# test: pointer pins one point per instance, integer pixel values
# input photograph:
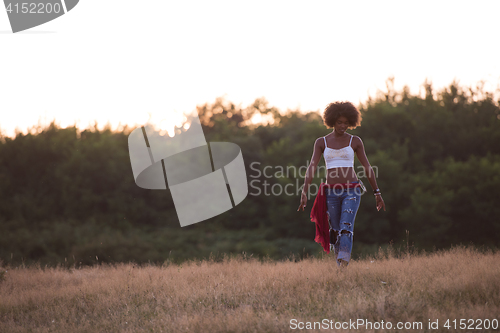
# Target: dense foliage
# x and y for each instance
(68, 196)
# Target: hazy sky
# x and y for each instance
(120, 60)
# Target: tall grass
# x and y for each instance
(247, 295)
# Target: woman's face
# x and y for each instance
(341, 125)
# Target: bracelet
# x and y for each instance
(376, 190)
(378, 193)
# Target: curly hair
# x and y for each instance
(334, 111)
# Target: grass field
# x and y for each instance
(247, 295)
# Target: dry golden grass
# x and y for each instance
(240, 295)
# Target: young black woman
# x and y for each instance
(338, 199)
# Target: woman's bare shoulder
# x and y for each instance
(356, 142)
(320, 142)
(356, 138)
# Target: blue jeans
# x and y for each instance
(342, 205)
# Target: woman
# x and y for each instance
(338, 200)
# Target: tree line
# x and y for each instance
(67, 196)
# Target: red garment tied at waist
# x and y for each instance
(319, 213)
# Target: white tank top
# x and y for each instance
(335, 158)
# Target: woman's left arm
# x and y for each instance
(359, 149)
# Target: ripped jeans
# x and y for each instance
(342, 206)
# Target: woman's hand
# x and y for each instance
(380, 202)
(303, 201)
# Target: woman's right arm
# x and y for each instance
(316, 156)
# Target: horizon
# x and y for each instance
(177, 118)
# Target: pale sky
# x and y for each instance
(120, 60)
